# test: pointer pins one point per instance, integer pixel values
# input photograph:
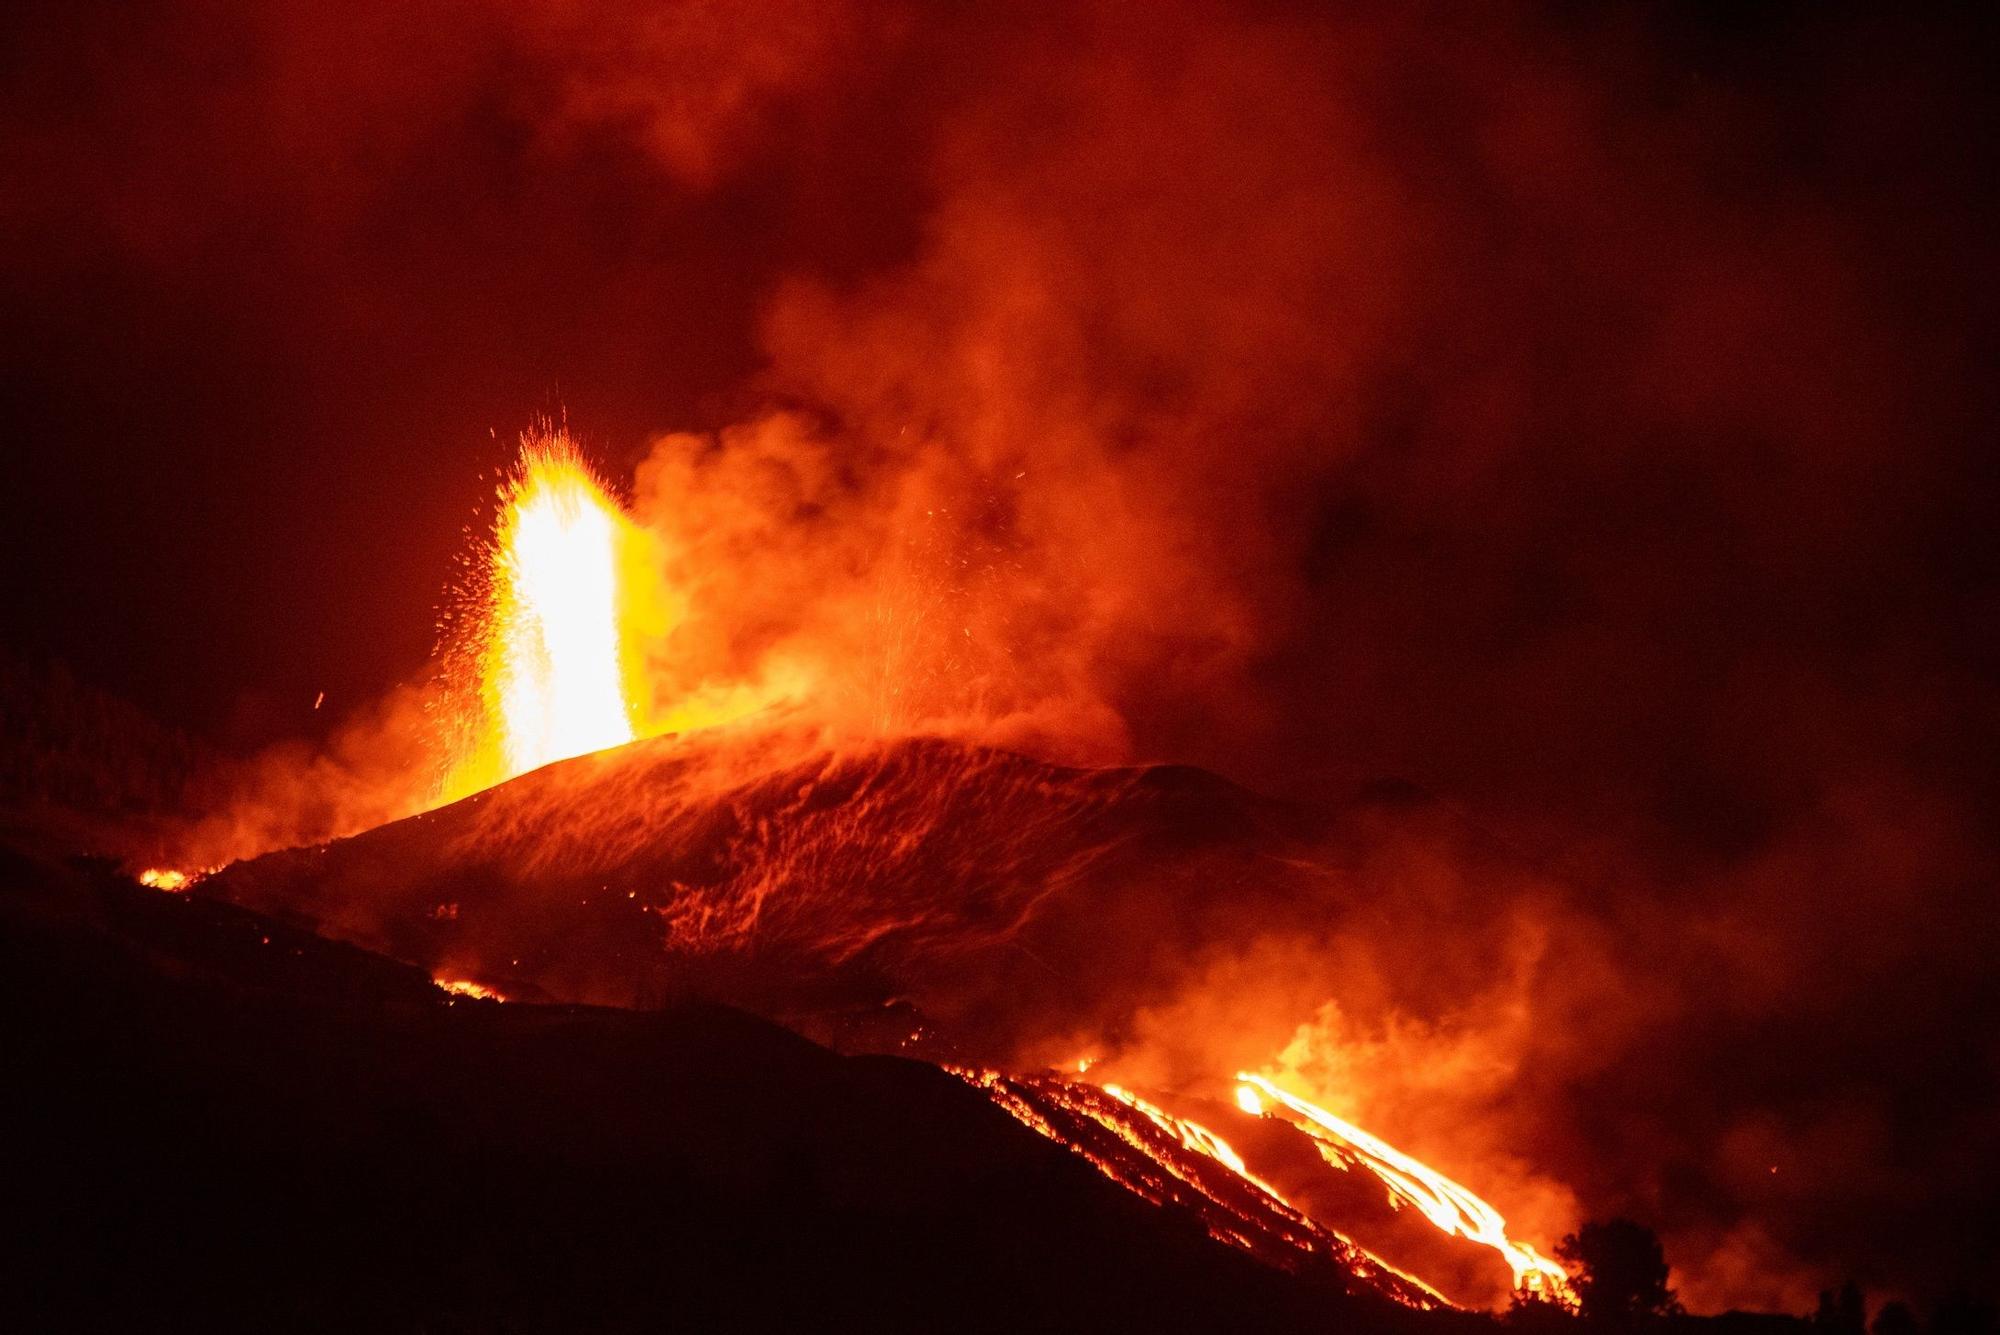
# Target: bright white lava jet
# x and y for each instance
(553, 671)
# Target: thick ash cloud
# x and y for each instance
(1581, 419)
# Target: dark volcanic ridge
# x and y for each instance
(222, 1122)
(923, 897)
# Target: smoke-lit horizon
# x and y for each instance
(1582, 419)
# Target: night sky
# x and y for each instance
(1585, 414)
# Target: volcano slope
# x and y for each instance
(1005, 899)
(923, 897)
(218, 1122)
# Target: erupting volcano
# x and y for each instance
(997, 667)
(879, 893)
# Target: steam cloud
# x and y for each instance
(1577, 421)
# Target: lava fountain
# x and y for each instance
(553, 668)
(547, 653)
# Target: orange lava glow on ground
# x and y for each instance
(1163, 1157)
(465, 987)
(1451, 1207)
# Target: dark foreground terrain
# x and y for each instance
(217, 1122)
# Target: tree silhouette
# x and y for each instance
(1896, 1319)
(1842, 1313)
(1534, 1313)
(1621, 1273)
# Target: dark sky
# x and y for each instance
(1587, 414)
